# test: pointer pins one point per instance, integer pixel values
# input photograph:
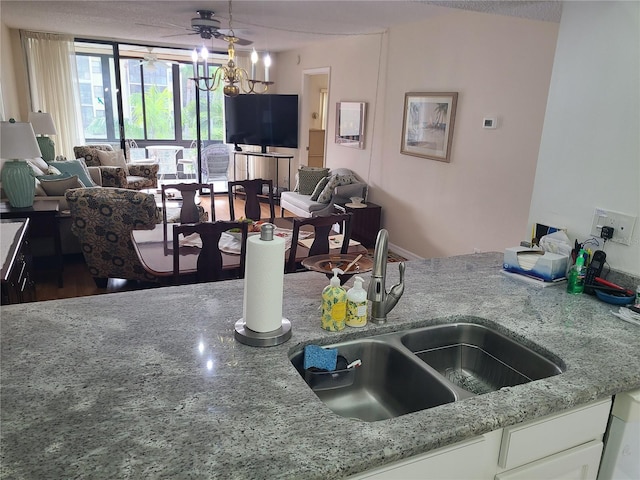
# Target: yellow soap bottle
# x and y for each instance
(334, 304)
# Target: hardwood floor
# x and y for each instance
(78, 282)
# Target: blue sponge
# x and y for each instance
(318, 357)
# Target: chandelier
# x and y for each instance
(232, 78)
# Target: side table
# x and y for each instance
(365, 222)
(43, 223)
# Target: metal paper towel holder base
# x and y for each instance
(245, 335)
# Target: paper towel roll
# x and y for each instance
(263, 284)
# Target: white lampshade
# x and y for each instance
(42, 123)
(18, 141)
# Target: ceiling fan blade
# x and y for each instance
(171, 26)
(239, 41)
(243, 42)
(179, 35)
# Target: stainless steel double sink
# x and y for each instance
(412, 370)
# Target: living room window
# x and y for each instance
(158, 97)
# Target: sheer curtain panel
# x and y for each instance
(53, 84)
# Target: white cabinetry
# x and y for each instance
(579, 463)
(566, 445)
(474, 458)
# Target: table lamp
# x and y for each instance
(18, 142)
(43, 125)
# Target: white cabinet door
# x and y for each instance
(468, 460)
(530, 441)
(579, 463)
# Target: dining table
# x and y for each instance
(167, 157)
(155, 248)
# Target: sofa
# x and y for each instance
(318, 189)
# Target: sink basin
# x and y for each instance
(477, 358)
(412, 370)
(388, 384)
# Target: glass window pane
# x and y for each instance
(132, 99)
(158, 101)
(98, 103)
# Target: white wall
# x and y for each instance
(590, 149)
(499, 65)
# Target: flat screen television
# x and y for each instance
(267, 120)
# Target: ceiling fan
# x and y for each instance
(208, 27)
(150, 59)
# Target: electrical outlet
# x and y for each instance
(621, 223)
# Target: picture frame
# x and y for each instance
(350, 121)
(427, 125)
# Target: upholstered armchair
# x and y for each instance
(116, 172)
(102, 219)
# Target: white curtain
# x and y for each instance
(53, 85)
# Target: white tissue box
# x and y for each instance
(546, 266)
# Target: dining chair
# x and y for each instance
(190, 212)
(252, 190)
(210, 262)
(323, 228)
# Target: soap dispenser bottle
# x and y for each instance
(575, 279)
(334, 304)
(357, 304)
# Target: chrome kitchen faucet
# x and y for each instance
(381, 301)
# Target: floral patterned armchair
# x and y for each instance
(102, 219)
(134, 176)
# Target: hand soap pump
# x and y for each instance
(334, 304)
(357, 304)
(575, 279)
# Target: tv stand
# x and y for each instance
(266, 155)
(237, 148)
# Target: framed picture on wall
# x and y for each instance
(350, 118)
(427, 126)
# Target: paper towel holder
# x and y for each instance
(245, 335)
(253, 338)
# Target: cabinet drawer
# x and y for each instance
(540, 438)
(579, 463)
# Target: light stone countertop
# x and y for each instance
(152, 384)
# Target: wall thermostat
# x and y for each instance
(489, 122)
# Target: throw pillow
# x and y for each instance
(113, 159)
(75, 167)
(53, 176)
(90, 153)
(56, 188)
(319, 187)
(308, 178)
(335, 181)
(40, 163)
(36, 169)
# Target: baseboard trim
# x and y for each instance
(405, 253)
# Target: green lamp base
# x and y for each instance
(47, 148)
(18, 183)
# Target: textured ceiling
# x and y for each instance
(273, 25)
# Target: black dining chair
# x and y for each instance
(210, 263)
(190, 212)
(323, 228)
(253, 191)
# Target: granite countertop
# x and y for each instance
(151, 383)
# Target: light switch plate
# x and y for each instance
(621, 222)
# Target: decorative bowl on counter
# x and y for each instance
(326, 263)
